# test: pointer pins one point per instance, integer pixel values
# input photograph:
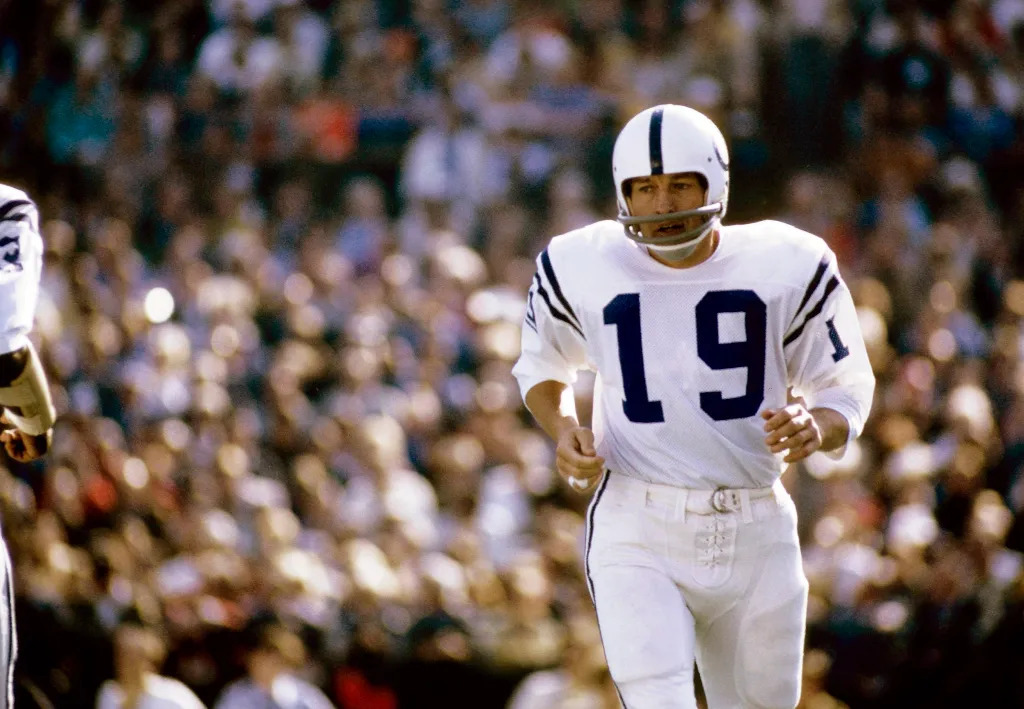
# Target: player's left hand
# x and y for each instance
(792, 428)
(24, 447)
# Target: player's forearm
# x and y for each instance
(553, 406)
(835, 429)
(25, 392)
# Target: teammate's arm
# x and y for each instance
(24, 392)
(25, 397)
(553, 406)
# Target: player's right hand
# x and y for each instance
(577, 460)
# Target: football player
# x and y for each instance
(723, 354)
(28, 412)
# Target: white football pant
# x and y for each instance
(679, 576)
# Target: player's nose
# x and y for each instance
(662, 202)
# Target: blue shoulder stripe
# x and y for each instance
(811, 287)
(832, 284)
(5, 210)
(549, 271)
(558, 314)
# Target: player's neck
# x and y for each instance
(701, 254)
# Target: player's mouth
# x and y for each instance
(671, 229)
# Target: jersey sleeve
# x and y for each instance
(825, 353)
(553, 341)
(21, 261)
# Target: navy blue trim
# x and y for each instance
(654, 142)
(811, 287)
(724, 165)
(586, 561)
(531, 316)
(14, 218)
(549, 271)
(532, 322)
(555, 311)
(832, 284)
(590, 531)
(12, 205)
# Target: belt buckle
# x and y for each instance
(721, 499)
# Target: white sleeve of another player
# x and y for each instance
(553, 343)
(21, 263)
(825, 352)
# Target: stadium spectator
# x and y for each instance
(138, 654)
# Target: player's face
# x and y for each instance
(664, 194)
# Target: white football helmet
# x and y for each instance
(671, 139)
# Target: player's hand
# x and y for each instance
(792, 428)
(577, 460)
(24, 447)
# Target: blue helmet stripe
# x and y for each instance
(654, 142)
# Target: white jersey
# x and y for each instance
(686, 359)
(21, 264)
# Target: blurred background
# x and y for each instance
(287, 249)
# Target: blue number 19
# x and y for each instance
(623, 311)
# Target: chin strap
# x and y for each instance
(681, 252)
(29, 393)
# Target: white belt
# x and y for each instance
(721, 500)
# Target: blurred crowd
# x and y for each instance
(287, 248)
